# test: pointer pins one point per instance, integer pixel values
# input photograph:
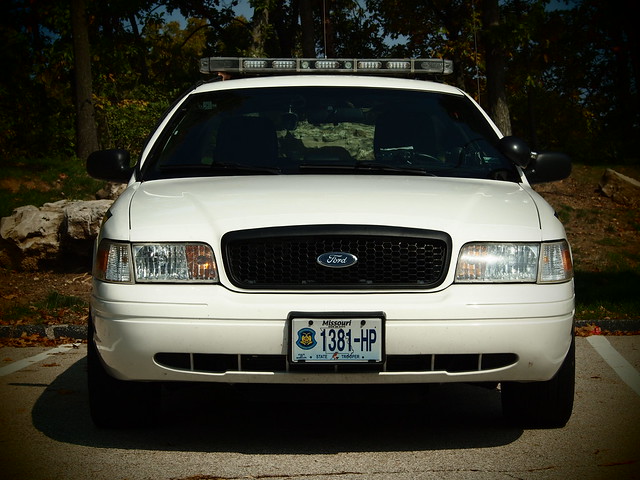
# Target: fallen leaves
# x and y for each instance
(594, 329)
(44, 298)
(588, 330)
(34, 315)
(36, 340)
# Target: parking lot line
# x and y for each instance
(25, 362)
(616, 361)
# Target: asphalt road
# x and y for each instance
(208, 432)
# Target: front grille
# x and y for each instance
(286, 257)
(224, 363)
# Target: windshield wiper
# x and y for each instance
(366, 168)
(244, 169)
(384, 169)
(187, 166)
(219, 168)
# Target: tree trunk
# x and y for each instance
(306, 24)
(260, 31)
(86, 130)
(495, 67)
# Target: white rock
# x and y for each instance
(32, 235)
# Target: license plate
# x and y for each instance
(336, 340)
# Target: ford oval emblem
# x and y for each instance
(337, 259)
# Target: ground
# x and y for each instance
(604, 238)
(42, 298)
(603, 234)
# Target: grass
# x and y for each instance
(54, 308)
(607, 295)
(57, 300)
(565, 212)
(611, 293)
(38, 181)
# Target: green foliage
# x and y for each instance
(127, 122)
(38, 180)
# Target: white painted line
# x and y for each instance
(616, 361)
(25, 362)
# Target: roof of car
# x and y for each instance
(328, 81)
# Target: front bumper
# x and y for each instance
(530, 324)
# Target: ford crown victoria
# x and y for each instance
(327, 222)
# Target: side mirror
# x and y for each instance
(110, 165)
(548, 167)
(516, 150)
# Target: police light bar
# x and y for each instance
(430, 66)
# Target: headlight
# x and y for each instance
(498, 262)
(155, 262)
(514, 263)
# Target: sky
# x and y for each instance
(246, 10)
(243, 9)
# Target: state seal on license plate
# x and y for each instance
(327, 338)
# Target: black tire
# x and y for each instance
(115, 403)
(542, 404)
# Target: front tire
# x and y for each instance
(542, 404)
(116, 403)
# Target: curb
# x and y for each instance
(79, 332)
(52, 332)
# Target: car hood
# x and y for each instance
(203, 209)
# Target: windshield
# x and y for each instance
(337, 130)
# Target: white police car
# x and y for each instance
(326, 222)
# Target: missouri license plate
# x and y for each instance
(336, 340)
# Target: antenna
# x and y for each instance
(324, 26)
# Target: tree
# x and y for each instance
(86, 131)
(439, 29)
(567, 77)
(571, 82)
(352, 31)
(612, 76)
(495, 66)
(261, 29)
(307, 27)
(36, 106)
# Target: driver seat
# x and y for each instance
(247, 141)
